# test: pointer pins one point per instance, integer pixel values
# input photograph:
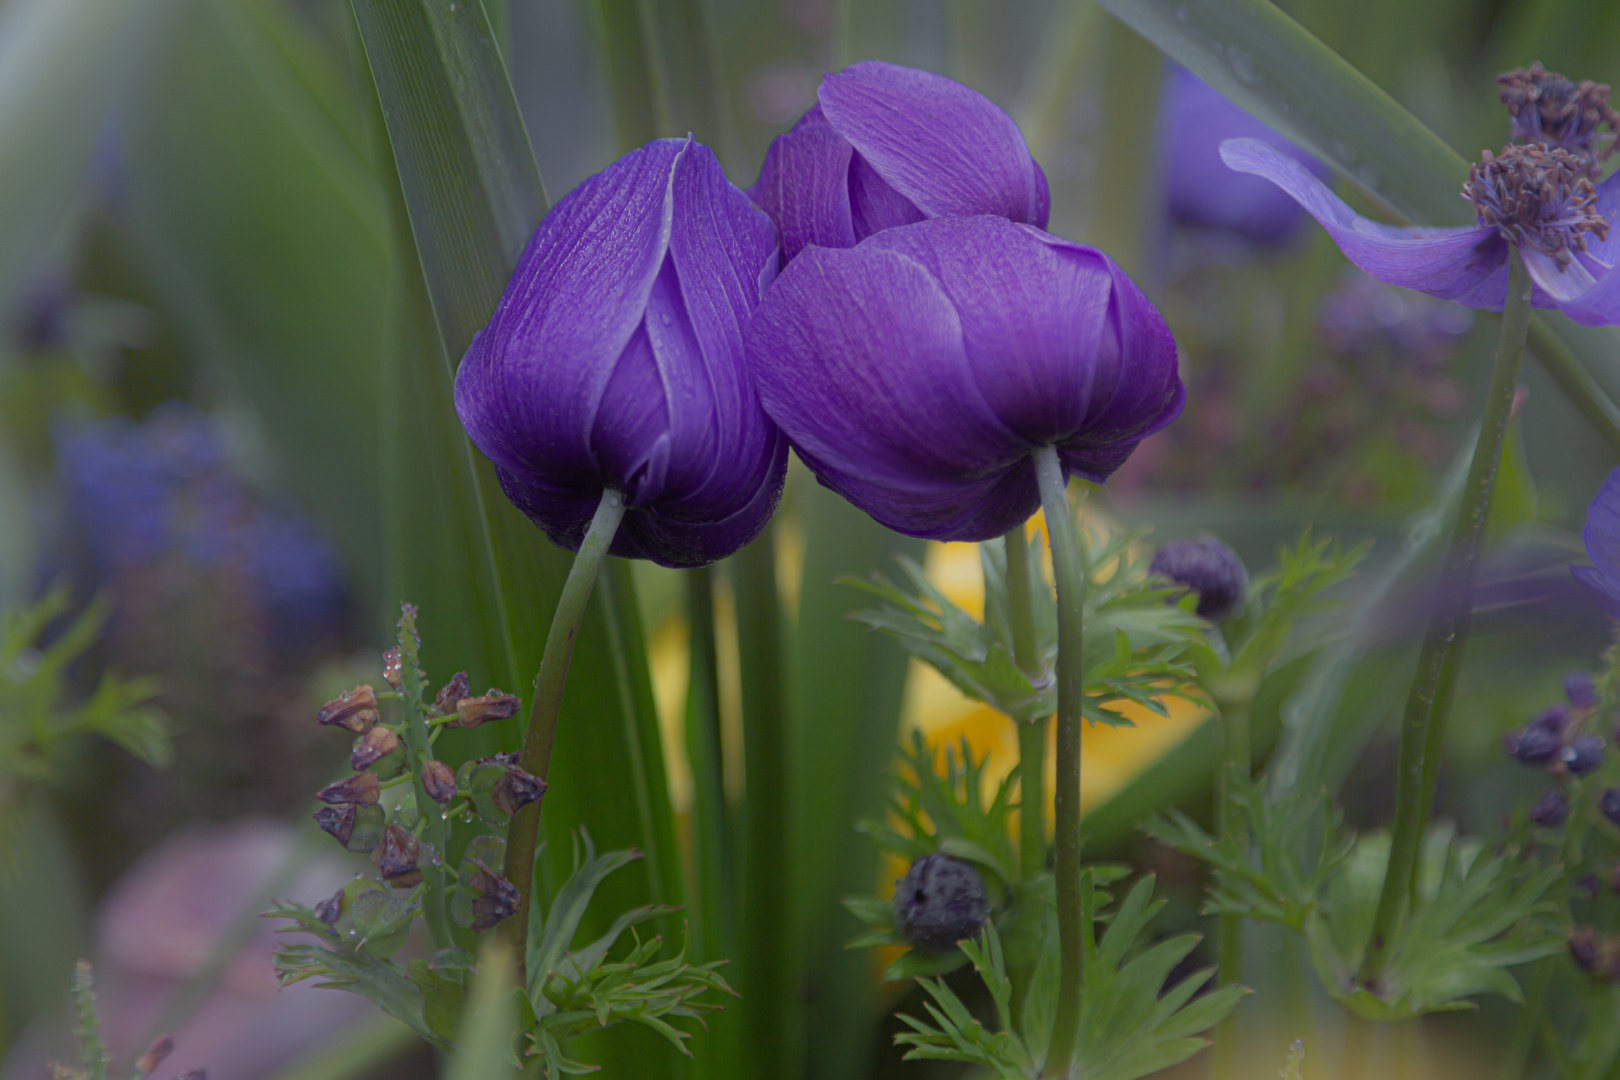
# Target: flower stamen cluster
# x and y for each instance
(1537, 196)
(1560, 113)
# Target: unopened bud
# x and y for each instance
(1209, 568)
(939, 902)
(1609, 806)
(337, 820)
(393, 666)
(330, 909)
(1532, 745)
(1589, 886)
(439, 781)
(1580, 689)
(498, 899)
(1555, 719)
(395, 857)
(516, 789)
(1586, 949)
(353, 709)
(149, 1061)
(362, 787)
(372, 747)
(1583, 755)
(1550, 810)
(452, 692)
(486, 707)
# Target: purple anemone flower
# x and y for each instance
(1602, 536)
(887, 145)
(615, 360)
(1194, 119)
(1536, 197)
(918, 371)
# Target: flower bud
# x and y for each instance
(497, 898)
(1209, 568)
(1532, 745)
(1555, 718)
(1550, 810)
(330, 909)
(353, 709)
(337, 820)
(1589, 886)
(452, 692)
(372, 747)
(393, 668)
(1583, 755)
(1609, 806)
(494, 705)
(149, 1061)
(939, 902)
(395, 857)
(362, 787)
(516, 789)
(1581, 689)
(439, 781)
(1586, 949)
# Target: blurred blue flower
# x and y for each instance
(1602, 536)
(1194, 119)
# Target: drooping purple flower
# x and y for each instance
(1194, 119)
(917, 372)
(615, 360)
(1540, 199)
(1602, 536)
(887, 145)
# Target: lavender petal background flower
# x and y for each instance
(615, 360)
(888, 145)
(1466, 263)
(916, 372)
(1194, 119)
(1602, 536)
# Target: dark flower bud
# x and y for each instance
(452, 692)
(1609, 806)
(486, 707)
(393, 668)
(362, 787)
(1550, 810)
(372, 747)
(439, 781)
(1589, 886)
(1532, 745)
(1583, 755)
(1586, 949)
(516, 789)
(1581, 690)
(498, 897)
(395, 857)
(1555, 719)
(353, 709)
(1209, 568)
(337, 820)
(149, 1061)
(330, 909)
(939, 902)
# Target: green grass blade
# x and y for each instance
(484, 1042)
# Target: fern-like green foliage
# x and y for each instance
(1128, 1029)
(1134, 642)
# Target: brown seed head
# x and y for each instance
(337, 820)
(498, 897)
(372, 747)
(330, 909)
(1536, 197)
(486, 707)
(353, 709)
(360, 788)
(439, 781)
(393, 668)
(395, 857)
(1548, 108)
(452, 692)
(516, 789)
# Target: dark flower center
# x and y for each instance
(1538, 197)
(1548, 108)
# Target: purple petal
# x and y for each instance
(1467, 264)
(1602, 531)
(943, 146)
(529, 387)
(1608, 593)
(873, 204)
(1607, 251)
(804, 186)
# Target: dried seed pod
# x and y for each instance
(517, 789)
(396, 855)
(330, 909)
(148, 1062)
(439, 781)
(498, 897)
(353, 709)
(372, 747)
(393, 668)
(337, 820)
(494, 705)
(362, 787)
(452, 692)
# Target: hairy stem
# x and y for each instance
(1424, 724)
(547, 703)
(1072, 935)
(1031, 735)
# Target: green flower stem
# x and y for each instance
(547, 703)
(1424, 724)
(433, 827)
(1031, 735)
(1233, 709)
(1071, 613)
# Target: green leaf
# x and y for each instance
(1269, 64)
(551, 938)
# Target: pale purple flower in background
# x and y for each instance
(1602, 536)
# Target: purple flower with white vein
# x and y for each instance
(1538, 198)
(615, 360)
(887, 145)
(1602, 536)
(917, 372)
